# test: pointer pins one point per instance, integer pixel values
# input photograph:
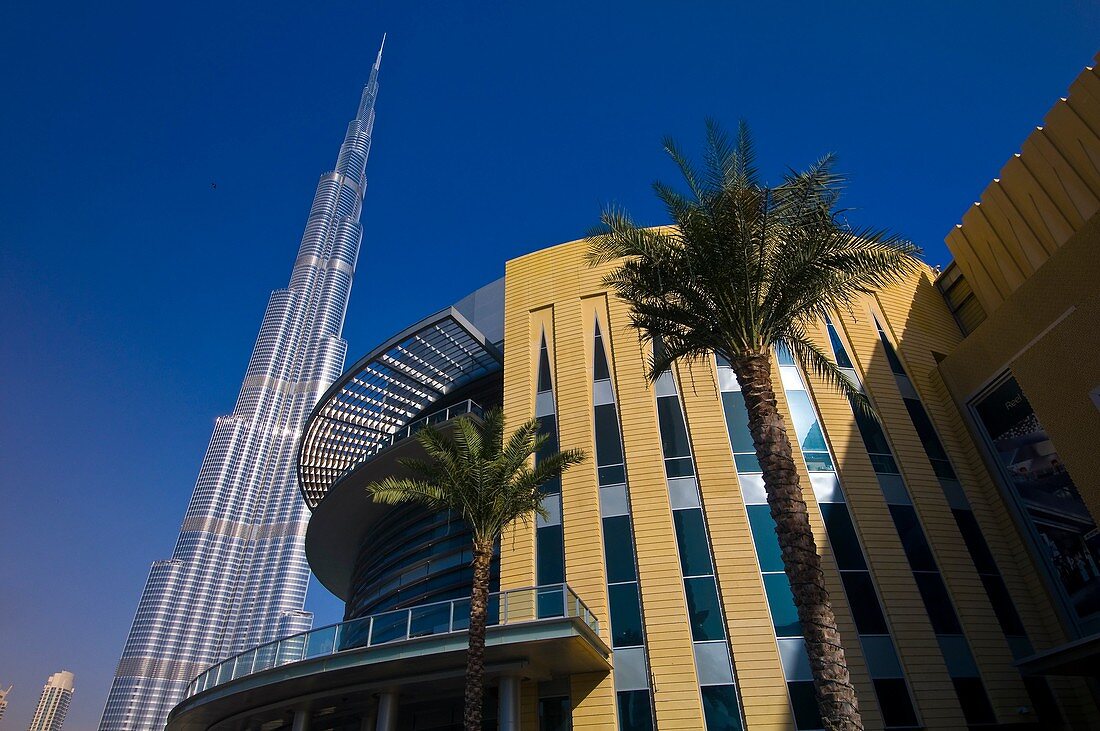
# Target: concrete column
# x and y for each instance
(368, 718)
(387, 711)
(301, 720)
(508, 703)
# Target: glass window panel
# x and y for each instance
(804, 703)
(768, 552)
(826, 487)
(912, 537)
(864, 602)
(626, 615)
(600, 371)
(720, 708)
(554, 714)
(665, 385)
(893, 489)
(552, 505)
(613, 475)
(674, 437)
(943, 469)
(704, 611)
(430, 620)
(319, 642)
(790, 378)
(752, 487)
(1003, 606)
(602, 393)
(747, 463)
(937, 602)
(712, 663)
(895, 703)
(927, 433)
(618, 549)
(691, 537)
(634, 711)
(840, 353)
(818, 461)
(461, 615)
(974, 701)
(737, 422)
(957, 655)
(956, 496)
(891, 355)
(550, 555)
(781, 603)
(975, 542)
(806, 426)
(842, 536)
(883, 464)
(794, 658)
(613, 501)
(783, 355)
(544, 383)
(683, 492)
(389, 627)
(881, 656)
(551, 603)
(630, 669)
(679, 467)
(871, 431)
(609, 447)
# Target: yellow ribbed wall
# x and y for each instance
(554, 290)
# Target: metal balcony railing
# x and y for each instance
(530, 604)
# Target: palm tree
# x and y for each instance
(489, 484)
(746, 268)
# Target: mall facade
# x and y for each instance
(957, 532)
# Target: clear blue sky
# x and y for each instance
(131, 291)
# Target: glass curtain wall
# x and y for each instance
(891, 688)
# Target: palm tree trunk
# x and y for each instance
(836, 698)
(475, 655)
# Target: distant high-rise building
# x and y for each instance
(53, 706)
(4, 700)
(238, 574)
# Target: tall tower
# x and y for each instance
(238, 574)
(4, 700)
(53, 705)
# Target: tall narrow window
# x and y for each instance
(891, 688)
(549, 540)
(992, 581)
(631, 674)
(713, 660)
(937, 601)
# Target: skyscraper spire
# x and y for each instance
(370, 91)
(238, 575)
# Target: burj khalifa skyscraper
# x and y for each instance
(238, 574)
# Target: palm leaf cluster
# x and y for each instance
(746, 266)
(475, 475)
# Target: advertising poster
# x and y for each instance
(1066, 531)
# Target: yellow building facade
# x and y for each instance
(957, 531)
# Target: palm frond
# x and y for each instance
(814, 360)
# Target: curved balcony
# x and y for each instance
(341, 520)
(535, 632)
